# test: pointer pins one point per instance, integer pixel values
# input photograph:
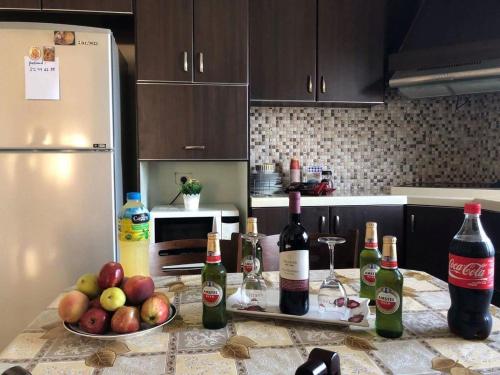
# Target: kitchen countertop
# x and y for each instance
(445, 197)
(337, 199)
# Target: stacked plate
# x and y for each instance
(267, 183)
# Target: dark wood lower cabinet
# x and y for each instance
(491, 224)
(272, 220)
(101, 6)
(429, 231)
(186, 122)
(389, 218)
(21, 4)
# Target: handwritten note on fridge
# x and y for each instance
(41, 79)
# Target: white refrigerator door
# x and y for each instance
(57, 222)
(83, 115)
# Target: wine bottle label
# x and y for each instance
(294, 270)
(471, 273)
(212, 293)
(248, 264)
(368, 273)
(387, 300)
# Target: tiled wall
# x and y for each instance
(401, 142)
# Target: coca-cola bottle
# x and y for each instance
(470, 278)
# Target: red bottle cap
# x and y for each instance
(294, 164)
(472, 208)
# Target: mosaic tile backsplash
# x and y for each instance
(402, 142)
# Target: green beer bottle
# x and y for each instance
(247, 262)
(369, 262)
(213, 286)
(389, 292)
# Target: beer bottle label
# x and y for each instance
(248, 264)
(294, 270)
(368, 273)
(387, 300)
(471, 273)
(212, 294)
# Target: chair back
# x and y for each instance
(191, 251)
(346, 254)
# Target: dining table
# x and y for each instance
(270, 346)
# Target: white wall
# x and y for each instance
(223, 182)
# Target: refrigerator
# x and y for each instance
(60, 164)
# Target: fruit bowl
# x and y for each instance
(144, 330)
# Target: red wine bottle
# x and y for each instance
(294, 263)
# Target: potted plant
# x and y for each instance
(191, 190)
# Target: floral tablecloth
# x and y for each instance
(185, 348)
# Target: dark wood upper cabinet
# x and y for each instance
(21, 4)
(351, 50)
(192, 40)
(99, 6)
(344, 39)
(221, 122)
(164, 35)
(283, 50)
(182, 122)
(221, 41)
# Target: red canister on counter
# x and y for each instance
(294, 170)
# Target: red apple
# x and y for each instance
(125, 320)
(111, 275)
(154, 311)
(163, 296)
(138, 289)
(95, 303)
(95, 320)
(72, 306)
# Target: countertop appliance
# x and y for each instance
(60, 163)
(174, 222)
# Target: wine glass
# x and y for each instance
(253, 288)
(332, 297)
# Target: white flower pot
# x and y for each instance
(191, 201)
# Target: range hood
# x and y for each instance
(451, 48)
(454, 80)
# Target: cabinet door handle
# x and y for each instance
(322, 223)
(336, 224)
(323, 85)
(194, 147)
(201, 62)
(309, 84)
(412, 223)
(186, 68)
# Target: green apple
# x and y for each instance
(112, 299)
(87, 284)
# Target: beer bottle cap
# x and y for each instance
(252, 225)
(371, 224)
(472, 208)
(390, 239)
(251, 220)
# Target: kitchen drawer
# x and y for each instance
(192, 122)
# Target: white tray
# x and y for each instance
(273, 311)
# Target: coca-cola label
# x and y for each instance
(387, 300)
(212, 293)
(248, 264)
(471, 273)
(368, 273)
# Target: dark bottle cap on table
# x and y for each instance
(294, 202)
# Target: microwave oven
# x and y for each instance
(174, 222)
